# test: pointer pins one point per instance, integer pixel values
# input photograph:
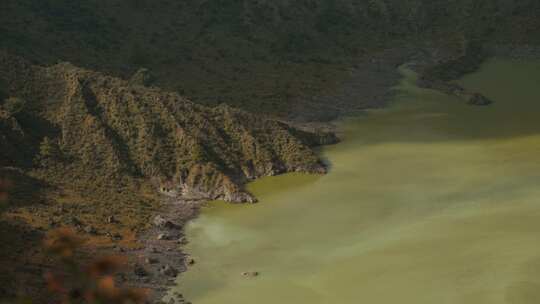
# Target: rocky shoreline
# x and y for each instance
(430, 77)
(157, 265)
(162, 259)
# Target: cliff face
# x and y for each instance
(77, 120)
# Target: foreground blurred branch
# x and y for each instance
(91, 283)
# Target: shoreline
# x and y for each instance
(155, 267)
(163, 258)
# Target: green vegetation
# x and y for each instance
(468, 61)
(100, 132)
(261, 56)
(80, 146)
(85, 147)
(13, 105)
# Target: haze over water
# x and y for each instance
(427, 201)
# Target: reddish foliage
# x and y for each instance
(91, 284)
(62, 242)
(107, 265)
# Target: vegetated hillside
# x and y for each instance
(83, 124)
(257, 55)
(88, 151)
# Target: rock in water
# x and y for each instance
(479, 100)
(250, 274)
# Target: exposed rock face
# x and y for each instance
(112, 128)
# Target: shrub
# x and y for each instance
(14, 105)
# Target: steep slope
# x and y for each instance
(102, 128)
(253, 54)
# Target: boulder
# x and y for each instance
(168, 271)
(163, 237)
(250, 274)
(161, 222)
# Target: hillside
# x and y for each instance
(100, 127)
(262, 56)
(107, 107)
(90, 151)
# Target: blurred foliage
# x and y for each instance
(94, 283)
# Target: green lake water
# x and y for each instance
(427, 201)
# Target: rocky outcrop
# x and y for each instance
(450, 88)
(477, 99)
